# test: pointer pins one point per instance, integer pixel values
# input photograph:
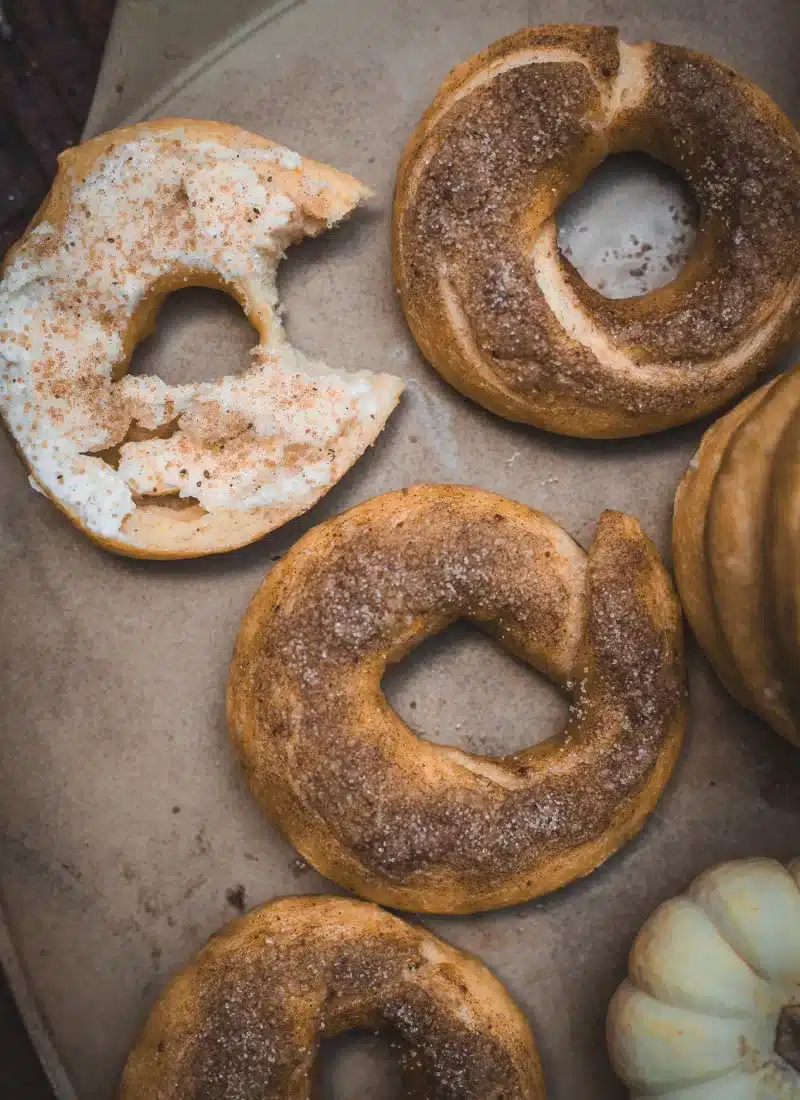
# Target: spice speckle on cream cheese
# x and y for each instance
(160, 204)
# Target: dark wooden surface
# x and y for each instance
(50, 52)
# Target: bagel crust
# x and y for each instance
(427, 827)
(142, 467)
(502, 314)
(246, 1017)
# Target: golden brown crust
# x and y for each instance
(246, 1017)
(166, 526)
(493, 304)
(689, 543)
(783, 557)
(428, 827)
(735, 549)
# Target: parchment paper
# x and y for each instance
(128, 835)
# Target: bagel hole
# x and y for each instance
(359, 1065)
(200, 335)
(630, 228)
(461, 688)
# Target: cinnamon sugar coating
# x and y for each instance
(429, 827)
(506, 318)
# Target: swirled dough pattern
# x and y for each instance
(504, 316)
(429, 827)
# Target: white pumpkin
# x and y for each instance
(711, 1007)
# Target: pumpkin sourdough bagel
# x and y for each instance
(246, 1017)
(156, 470)
(429, 827)
(734, 538)
(503, 315)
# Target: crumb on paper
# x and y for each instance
(236, 897)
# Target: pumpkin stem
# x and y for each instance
(787, 1036)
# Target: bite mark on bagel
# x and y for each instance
(133, 215)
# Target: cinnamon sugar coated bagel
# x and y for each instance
(428, 827)
(246, 1017)
(502, 314)
(156, 470)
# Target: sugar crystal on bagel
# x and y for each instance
(503, 315)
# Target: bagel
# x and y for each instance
(246, 1017)
(427, 827)
(496, 307)
(145, 468)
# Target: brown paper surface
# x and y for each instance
(127, 829)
